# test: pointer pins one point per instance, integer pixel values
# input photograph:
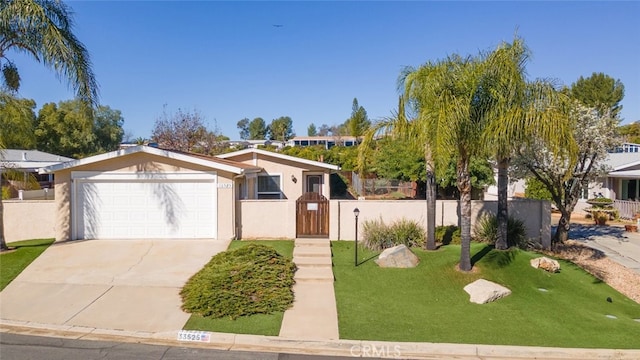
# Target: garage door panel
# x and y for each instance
(143, 209)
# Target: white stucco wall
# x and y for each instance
(29, 219)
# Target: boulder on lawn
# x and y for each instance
(483, 291)
(545, 263)
(397, 257)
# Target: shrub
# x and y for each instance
(486, 231)
(449, 234)
(377, 235)
(6, 193)
(253, 279)
(408, 232)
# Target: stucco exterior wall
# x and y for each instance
(267, 219)
(144, 163)
(536, 214)
(277, 218)
(33, 219)
(288, 171)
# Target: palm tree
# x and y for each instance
(518, 110)
(43, 29)
(449, 100)
(417, 134)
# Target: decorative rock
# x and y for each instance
(545, 263)
(397, 257)
(483, 291)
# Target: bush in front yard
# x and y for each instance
(377, 235)
(448, 234)
(253, 279)
(486, 231)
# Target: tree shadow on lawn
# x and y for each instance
(494, 258)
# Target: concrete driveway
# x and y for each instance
(130, 285)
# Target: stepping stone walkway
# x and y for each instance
(314, 315)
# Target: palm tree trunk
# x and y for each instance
(431, 202)
(503, 211)
(464, 186)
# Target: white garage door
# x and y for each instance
(178, 208)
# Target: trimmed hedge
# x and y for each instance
(253, 279)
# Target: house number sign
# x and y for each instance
(189, 335)
(312, 207)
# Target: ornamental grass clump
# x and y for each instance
(486, 231)
(378, 236)
(253, 279)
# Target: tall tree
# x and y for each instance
(243, 126)
(17, 120)
(630, 132)
(107, 128)
(517, 110)
(324, 130)
(257, 129)
(65, 129)
(74, 129)
(281, 129)
(599, 91)
(565, 176)
(311, 130)
(418, 136)
(359, 122)
(43, 29)
(182, 131)
(449, 102)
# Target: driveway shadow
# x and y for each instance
(581, 232)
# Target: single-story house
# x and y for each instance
(29, 161)
(621, 183)
(146, 192)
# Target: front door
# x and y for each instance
(314, 184)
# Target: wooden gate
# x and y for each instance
(312, 215)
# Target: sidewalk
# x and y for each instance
(314, 315)
(349, 348)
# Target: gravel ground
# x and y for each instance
(595, 262)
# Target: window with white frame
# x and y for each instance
(269, 187)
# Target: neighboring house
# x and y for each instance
(145, 192)
(327, 141)
(29, 161)
(254, 144)
(621, 184)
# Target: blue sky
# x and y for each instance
(228, 61)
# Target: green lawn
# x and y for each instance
(428, 303)
(259, 324)
(12, 263)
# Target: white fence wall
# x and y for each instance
(272, 219)
(33, 219)
(276, 218)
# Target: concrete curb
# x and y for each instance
(349, 348)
